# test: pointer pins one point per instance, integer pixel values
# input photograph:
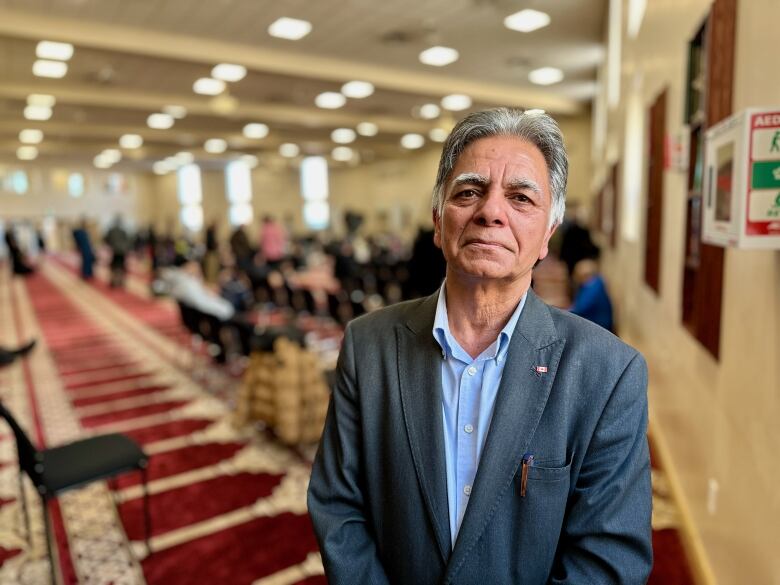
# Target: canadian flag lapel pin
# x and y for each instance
(540, 369)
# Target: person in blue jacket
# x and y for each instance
(84, 246)
(591, 299)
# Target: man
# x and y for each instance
(480, 436)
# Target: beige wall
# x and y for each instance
(48, 195)
(719, 418)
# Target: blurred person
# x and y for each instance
(211, 253)
(85, 250)
(591, 299)
(426, 265)
(273, 240)
(479, 435)
(576, 243)
(19, 263)
(119, 242)
(185, 284)
(241, 248)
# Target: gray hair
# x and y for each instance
(539, 129)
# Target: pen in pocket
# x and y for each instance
(528, 461)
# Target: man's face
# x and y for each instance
(494, 222)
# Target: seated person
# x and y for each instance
(186, 285)
(591, 299)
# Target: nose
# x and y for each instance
(491, 210)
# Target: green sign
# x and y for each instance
(766, 174)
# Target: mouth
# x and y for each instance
(488, 244)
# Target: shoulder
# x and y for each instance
(583, 336)
(386, 318)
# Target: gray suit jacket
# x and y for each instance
(378, 492)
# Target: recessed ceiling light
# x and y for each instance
(229, 72)
(177, 112)
(357, 89)
(37, 112)
(41, 99)
(256, 130)
(545, 76)
(292, 29)
(53, 69)
(215, 145)
(527, 20)
(439, 56)
(131, 141)
(26, 153)
(52, 50)
(31, 136)
(412, 141)
(330, 100)
(289, 150)
(438, 134)
(161, 168)
(343, 135)
(456, 102)
(101, 162)
(160, 121)
(367, 129)
(208, 86)
(112, 155)
(342, 153)
(249, 160)
(429, 111)
(183, 158)
(534, 112)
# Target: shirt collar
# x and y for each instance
(450, 346)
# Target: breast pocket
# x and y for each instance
(540, 512)
(541, 472)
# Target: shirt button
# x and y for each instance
(468, 429)
(472, 370)
(467, 490)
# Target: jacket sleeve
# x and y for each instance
(607, 536)
(336, 501)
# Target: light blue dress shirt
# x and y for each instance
(469, 388)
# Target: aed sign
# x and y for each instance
(741, 196)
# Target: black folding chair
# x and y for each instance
(59, 469)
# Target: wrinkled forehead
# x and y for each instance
(509, 159)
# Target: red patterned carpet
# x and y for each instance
(227, 506)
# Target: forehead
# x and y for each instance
(504, 156)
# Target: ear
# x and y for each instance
(545, 249)
(436, 228)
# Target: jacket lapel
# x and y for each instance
(521, 399)
(419, 372)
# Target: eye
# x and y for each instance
(467, 194)
(521, 198)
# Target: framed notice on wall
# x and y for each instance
(742, 181)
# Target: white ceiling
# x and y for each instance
(134, 56)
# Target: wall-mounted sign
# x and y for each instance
(742, 181)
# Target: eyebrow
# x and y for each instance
(482, 181)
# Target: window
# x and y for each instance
(76, 184)
(190, 193)
(315, 191)
(17, 182)
(238, 179)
